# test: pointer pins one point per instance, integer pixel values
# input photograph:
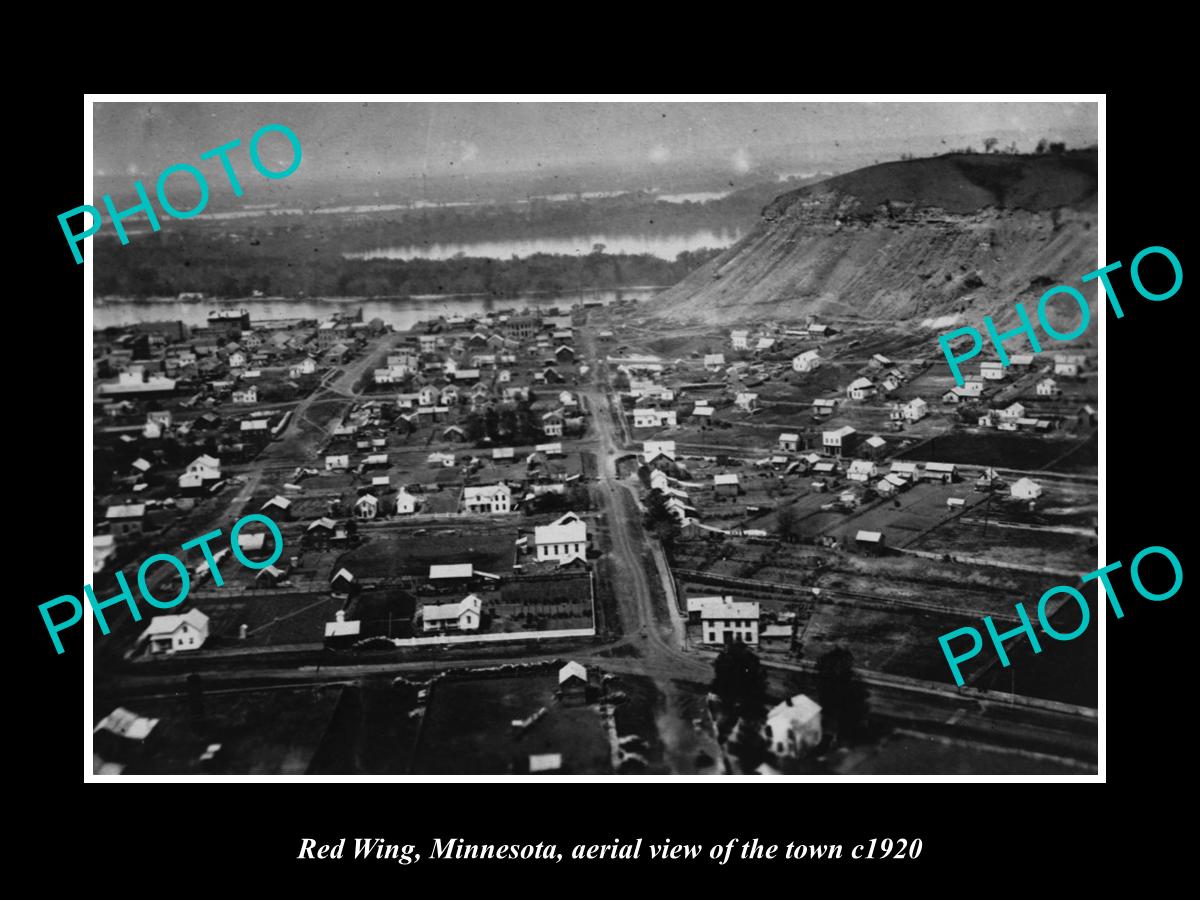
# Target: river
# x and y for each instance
(664, 246)
(400, 314)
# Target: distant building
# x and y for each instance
(656, 451)
(739, 339)
(991, 371)
(860, 389)
(1048, 387)
(125, 518)
(726, 484)
(714, 361)
(789, 442)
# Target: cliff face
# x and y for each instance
(923, 239)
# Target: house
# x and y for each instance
(270, 576)
(343, 584)
(723, 622)
(695, 605)
(205, 466)
(337, 461)
(746, 401)
(869, 541)
(793, 727)
(367, 507)
(1026, 489)
(125, 518)
(739, 339)
(726, 484)
(947, 473)
(172, 634)
(1012, 412)
(1066, 368)
(714, 361)
(907, 470)
(564, 354)
(916, 409)
(860, 389)
(654, 451)
(465, 615)
(427, 395)
(552, 423)
(439, 458)
(789, 442)
(653, 418)
(278, 507)
(839, 442)
(991, 371)
(562, 540)
(492, 498)
(764, 343)
(1020, 359)
(104, 548)
(862, 470)
(406, 503)
(702, 414)
(824, 406)
(573, 684)
(875, 447)
(806, 361)
(1048, 387)
(340, 631)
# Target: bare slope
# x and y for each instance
(964, 233)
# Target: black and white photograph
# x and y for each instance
(605, 439)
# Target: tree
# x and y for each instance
(842, 696)
(1041, 146)
(989, 144)
(786, 522)
(740, 681)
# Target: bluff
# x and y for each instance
(961, 235)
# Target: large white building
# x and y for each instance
(723, 622)
(492, 498)
(562, 540)
(806, 361)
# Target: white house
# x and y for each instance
(793, 726)
(1066, 368)
(860, 389)
(806, 361)
(653, 418)
(840, 441)
(552, 424)
(723, 622)
(916, 409)
(461, 616)
(991, 371)
(492, 498)
(171, 634)
(337, 461)
(1048, 387)
(207, 467)
(789, 441)
(1026, 489)
(562, 540)
(746, 401)
(367, 507)
(714, 361)
(739, 339)
(1012, 412)
(406, 503)
(305, 367)
(862, 470)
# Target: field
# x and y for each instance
(468, 728)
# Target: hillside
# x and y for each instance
(965, 234)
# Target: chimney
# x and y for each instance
(242, 629)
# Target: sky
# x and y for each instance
(371, 139)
